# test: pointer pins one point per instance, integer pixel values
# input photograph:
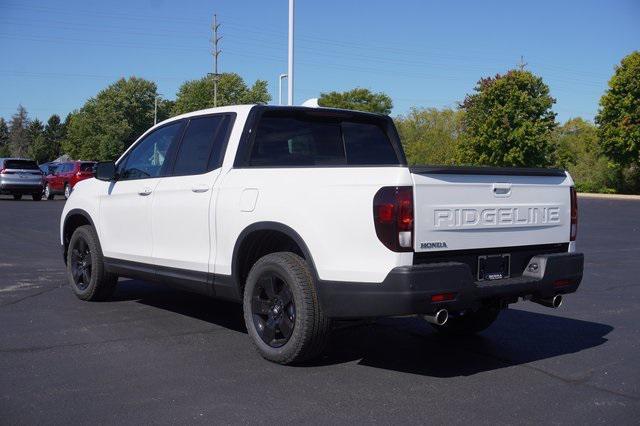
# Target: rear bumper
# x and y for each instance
(407, 290)
(20, 188)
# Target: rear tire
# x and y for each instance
(37, 196)
(47, 192)
(17, 197)
(470, 323)
(282, 311)
(85, 266)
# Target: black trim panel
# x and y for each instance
(520, 255)
(407, 290)
(481, 170)
(219, 286)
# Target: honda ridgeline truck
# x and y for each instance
(305, 215)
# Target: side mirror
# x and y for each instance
(106, 170)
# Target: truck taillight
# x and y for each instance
(393, 217)
(574, 214)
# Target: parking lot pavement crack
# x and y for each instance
(32, 295)
(33, 349)
(582, 381)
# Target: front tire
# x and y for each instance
(85, 266)
(470, 323)
(282, 311)
(67, 191)
(37, 196)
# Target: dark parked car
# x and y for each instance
(20, 176)
(64, 177)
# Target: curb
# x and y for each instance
(609, 196)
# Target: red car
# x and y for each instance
(64, 176)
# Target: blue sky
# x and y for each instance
(57, 54)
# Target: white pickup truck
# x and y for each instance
(305, 215)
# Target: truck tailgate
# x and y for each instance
(463, 208)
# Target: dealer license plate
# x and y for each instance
(494, 267)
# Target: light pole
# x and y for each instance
(290, 70)
(282, 76)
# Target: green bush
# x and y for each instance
(577, 150)
(430, 135)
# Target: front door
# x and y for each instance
(125, 205)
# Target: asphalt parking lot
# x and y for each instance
(156, 355)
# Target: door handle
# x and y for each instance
(144, 192)
(502, 190)
(200, 188)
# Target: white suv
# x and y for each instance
(309, 214)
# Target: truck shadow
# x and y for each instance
(407, 344)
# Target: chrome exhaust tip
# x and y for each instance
(439, 318)
(553, 302)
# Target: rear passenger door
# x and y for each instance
(183, 203)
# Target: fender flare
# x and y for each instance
(73, 212)
(270, 226)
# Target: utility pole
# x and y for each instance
(522, 63)
(290, 70)
(216, 52)
(280, 88)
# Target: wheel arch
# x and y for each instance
(278, 237)
(74, 219)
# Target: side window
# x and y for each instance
(202, 145)
(147, 158)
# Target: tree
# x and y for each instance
(111, 121)
(577, 150)
(35, 137)
(508, 121)
(619, 121)
(54, 133)
(194, 95)
(38, 148)
(18, 136)
(430, 136)
(358, 99)
(4, 139)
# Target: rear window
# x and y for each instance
(86, 167)
(300, 138)
(21, 164)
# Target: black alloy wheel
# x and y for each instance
(273, 309)
(81, 264)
